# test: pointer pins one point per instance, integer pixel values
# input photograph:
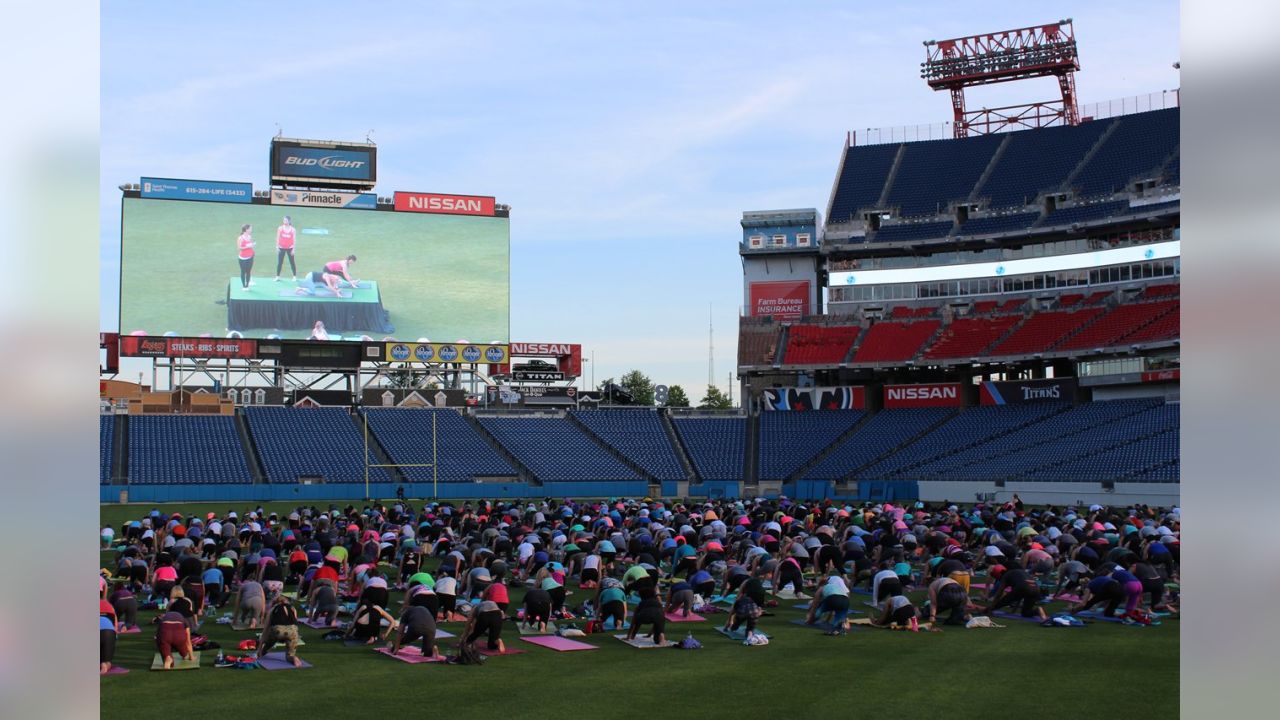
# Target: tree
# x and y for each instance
(640, 387)
(676, 397)
(401, 376)
(715, 400)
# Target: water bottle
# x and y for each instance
(219, 656)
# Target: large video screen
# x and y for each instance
(190, 268)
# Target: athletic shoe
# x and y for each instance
(277, 279)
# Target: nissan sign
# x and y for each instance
(445, 204)
(909, 396)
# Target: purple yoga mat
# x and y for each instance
(678, 616)
(411, 655)
(318, 624)
(117, 670)
(277, 661)
(558, 644)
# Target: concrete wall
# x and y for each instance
(1054, 493)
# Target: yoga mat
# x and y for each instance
(345, 294)
(411, 655)
(1015, 616)
(352, 642)
(791, 595)
(802, 606)
(644, 643)
(1099, 616)
(116, 670)
(860, 591)
(277, 661)
(677, 617)
(245, 628)
(533, 629)
(157, 662)
(610, 625)
(741, 634)
(509, 651)
(823, 626)
(1069, 598)
(724, 598)
(122, 630)
(558, 644)
(319, 624)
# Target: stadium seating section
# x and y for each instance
(1043, 330)
(757, 344)
(1118, 324)
(639, 436)
(324, 442)
(106, 435)
(816, 344)
(461, 451)
(555, 449)
(895, 342)
(714, 445)
(788, 440)
(1094, 159)
(186, 449)
(883, 432)
(968, 337)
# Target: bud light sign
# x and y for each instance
(290, 160)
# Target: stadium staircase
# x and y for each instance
(991, 166)
(645, 475)
(853, 347)
(1084, 161)
(682, 453)
(780, 355)
(380, 454)
(120, 451)
(525, 474)
(822, 455)
(924, 347)
(751, 461)
(893, 174)
(850, 478)
(250, 449)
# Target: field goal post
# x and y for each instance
(435, 475)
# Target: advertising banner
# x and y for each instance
(555, 350)
(781, 299)
(536, 376)
(814, 398)
(444, 204)
(322, 162)
(203, 190)
(1162, 375)
(914, 396)
(212, 348)
(139, 346)
(325, 198)
(435, 353)
(1020, 392)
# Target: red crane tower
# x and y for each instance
(1040, 51)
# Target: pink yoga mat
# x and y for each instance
(558, 644)
(277, 661)
(122, 630)
(677, 617)
(116, 670)
(411, 655)
(1069, 598)
(491, 653)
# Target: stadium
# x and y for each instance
(985, 321)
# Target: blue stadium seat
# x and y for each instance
(106, 435)
(716, 445)
(192, 449)
(912, 231)
(1136, 150)
(637, 434)
(322, 442)
(862, 180)
(885, 431)
(1038, 160)
(934, 173)
(998, 224)
(788, 440)
(461, 452)
(556, 450)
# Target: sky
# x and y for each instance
(627, 139)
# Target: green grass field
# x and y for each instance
(1020, 670)
(444, 277)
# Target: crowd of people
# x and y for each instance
(632, 561)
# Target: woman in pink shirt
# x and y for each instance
(244, 244)
(285, 236)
